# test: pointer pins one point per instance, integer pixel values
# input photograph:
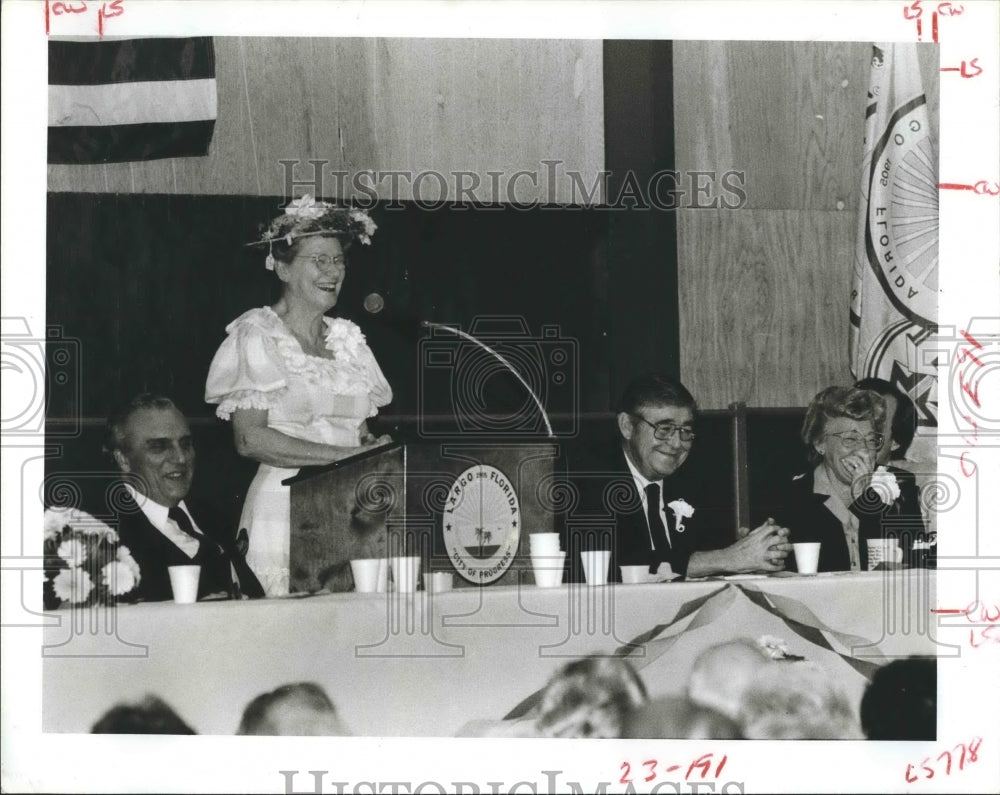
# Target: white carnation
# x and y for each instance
(885, 485)
(72, 585)
(55, 520)
(72, 551)
(124, 556)
(119, 578)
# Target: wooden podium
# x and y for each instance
(462, 507)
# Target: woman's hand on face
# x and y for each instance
(861, 464)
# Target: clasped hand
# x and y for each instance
(762, 549)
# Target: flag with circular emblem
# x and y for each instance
(894, 293)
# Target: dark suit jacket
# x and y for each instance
(805, 514)
(607, 512)
(154, 552)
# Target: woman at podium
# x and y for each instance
(298, 386)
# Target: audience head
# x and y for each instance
(675, 717)
(900, 703)
(796, 701)
(150, 440)
(842, 421)
(590, 697)
(900, 418)
(721, 674)
(300, 709)
(656, 417)
(148, 716)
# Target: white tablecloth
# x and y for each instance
(424, 665)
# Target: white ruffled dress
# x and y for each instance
(261, 365)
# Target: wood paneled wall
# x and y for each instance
(381, 105)
(764, 288)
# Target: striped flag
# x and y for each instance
(113, 101)
(894, 293)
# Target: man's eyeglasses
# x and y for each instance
(854, 440)
(664, 430)
(324, 260)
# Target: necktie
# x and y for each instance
(657, 531)
(180, 518)
(207, 548)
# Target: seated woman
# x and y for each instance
(299, 386)
(844, 500)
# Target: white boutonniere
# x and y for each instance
(682, 510)
(885, 485)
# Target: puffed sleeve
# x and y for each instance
(247, 372)
(380, 393)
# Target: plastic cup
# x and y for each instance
(883, 550)
(438, 581)
(405, 571)
(807, 557)
(633, 575)
(184, 583)
(548, 569)
(366, 574)
(544, 542)
(595, 566)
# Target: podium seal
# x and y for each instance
(481, 524)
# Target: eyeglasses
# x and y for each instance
(854, 440)
(325, 260)
(664, 430)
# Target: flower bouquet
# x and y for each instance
(85, 564)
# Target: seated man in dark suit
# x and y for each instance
(630, 482)
(151, 442)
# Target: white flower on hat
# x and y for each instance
(306, 207)
(362, 218)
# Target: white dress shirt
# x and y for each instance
(157, 515)
(641, 483)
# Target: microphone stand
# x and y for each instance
(465, 335)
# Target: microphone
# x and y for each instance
(374, 304)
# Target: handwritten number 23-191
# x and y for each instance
(972, 748)
(702, 764)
